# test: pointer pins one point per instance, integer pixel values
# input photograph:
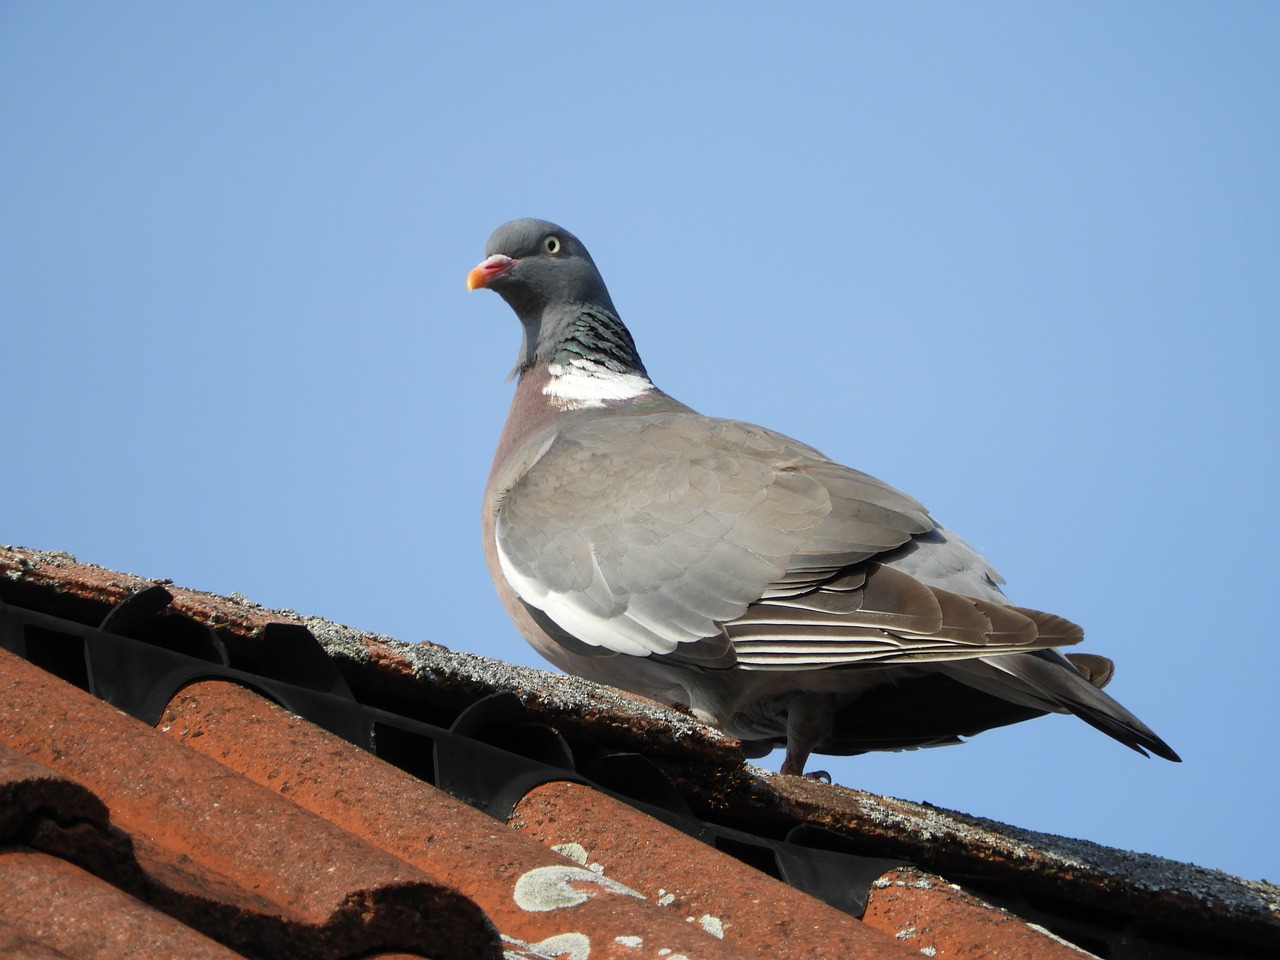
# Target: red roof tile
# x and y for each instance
(532, 893)
(260, 830)
(749, 909)
(224, 854)
(927, 912)
(71, 913)
(15, 943)
(1109, 896)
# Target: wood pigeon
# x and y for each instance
(718, 565)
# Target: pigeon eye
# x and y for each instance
(551, 245)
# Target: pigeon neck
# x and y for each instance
(590, 359)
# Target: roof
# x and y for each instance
(188, 774)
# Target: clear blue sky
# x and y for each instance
(1020, 260)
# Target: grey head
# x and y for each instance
(548, 278)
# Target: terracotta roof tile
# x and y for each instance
(928, 913)
(1108, 895)
(749, 909)
(225, 854)
(72, 913)
(532, 893)
(264, 805)
(15, 943)
(31, 792)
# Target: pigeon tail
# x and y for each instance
(1043, 671)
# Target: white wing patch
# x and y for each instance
(584, 384)
(620, 634)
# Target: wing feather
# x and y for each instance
(645, 534)
(875, 614)
(714, 542)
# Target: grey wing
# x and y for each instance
(648, 534)
(931, 599)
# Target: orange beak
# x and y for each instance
(492, 268)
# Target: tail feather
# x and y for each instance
(1052, 676)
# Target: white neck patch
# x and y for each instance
(584, 384)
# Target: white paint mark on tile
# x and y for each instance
(563, 946)
(578, 854)
(712, 925)
(1053, 936)
(551, 888)
(574, 851)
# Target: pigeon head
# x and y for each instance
(535, 265)
(548, 278)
